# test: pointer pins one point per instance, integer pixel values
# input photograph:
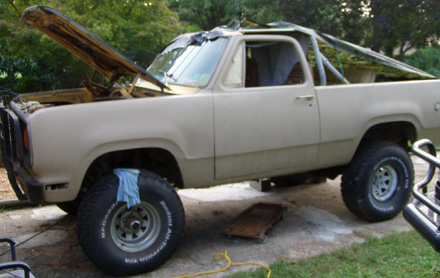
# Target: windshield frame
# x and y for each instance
(194, 46)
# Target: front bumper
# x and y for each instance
(16, 158)
(423, 213)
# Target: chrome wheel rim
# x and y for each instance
(384, 183)
(137, 228)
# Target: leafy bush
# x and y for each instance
(25, 75)
(427, 59)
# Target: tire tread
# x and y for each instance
(352, 175)
(89, 204)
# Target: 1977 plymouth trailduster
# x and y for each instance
(261, 102)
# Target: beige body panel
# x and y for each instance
(63, 148)
(348, 111)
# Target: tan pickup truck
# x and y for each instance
(234, 104)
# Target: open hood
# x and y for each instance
(84, 44)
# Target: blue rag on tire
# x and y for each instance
(128, 190)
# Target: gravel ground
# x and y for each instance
(6, 192)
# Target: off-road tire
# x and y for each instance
(377, 183)
(126, 242)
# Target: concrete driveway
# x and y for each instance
(316, 222)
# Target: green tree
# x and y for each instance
(335, 17)
(24, 66)
(136, 28)
(427, 59)
(208, 14)
(378, 24)
(401, 24)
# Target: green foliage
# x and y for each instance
(381, 25)
(336, 17)
(427, 59)
(208, 14)
(23, 66)
(22, 74)
(402, 25)
(189, 27)
(398, 255)
(328, 16)
(138, 29)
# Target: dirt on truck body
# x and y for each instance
(245, 103)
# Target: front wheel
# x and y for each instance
(123, 241)
(377, 183)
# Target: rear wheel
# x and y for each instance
(123, 241)
(377, 183)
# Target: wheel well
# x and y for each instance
(398, 132)
(156, 160)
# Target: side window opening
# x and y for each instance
(251, 71)
(272, 64)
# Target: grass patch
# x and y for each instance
(398, 255)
